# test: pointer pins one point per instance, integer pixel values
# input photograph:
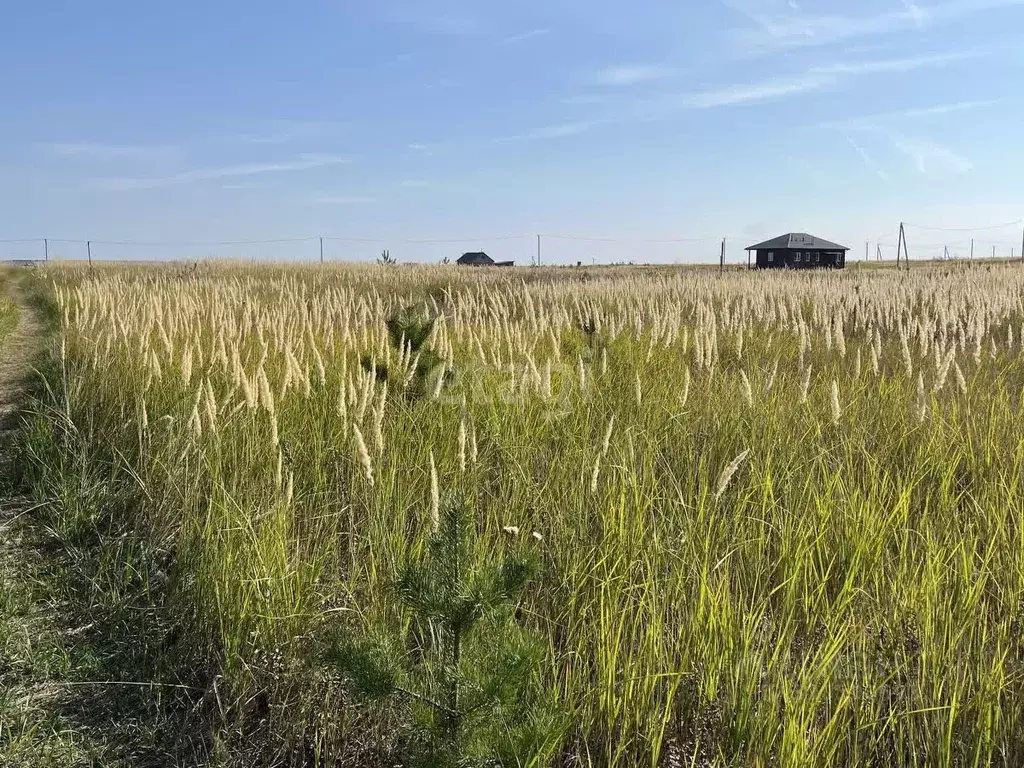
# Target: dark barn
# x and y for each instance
(799, 251)
(481, 259)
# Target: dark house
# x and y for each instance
(481, 259)
(799, 251)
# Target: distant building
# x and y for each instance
(481, 259)
(799, 251)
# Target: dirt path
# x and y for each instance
(17, 352)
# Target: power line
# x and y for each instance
(966, 229)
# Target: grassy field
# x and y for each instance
(775, 519)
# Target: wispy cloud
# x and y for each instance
(343, 200)
(791, 30)
(522, 37)
(868, 121)
(869, 161)
(557, 131)
(88, 150)
(931, 157)
(907, 64)
(763, 91)
(631, 74)
(303, 162)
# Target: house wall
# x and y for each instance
(787, 259)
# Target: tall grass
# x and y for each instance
(779, 516)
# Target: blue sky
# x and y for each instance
(403, 120)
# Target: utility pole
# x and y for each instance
(721, 259)
(88, 249)
(972, 247)
(901, 243)
(867, 248)
(321, 250)
(46, 249)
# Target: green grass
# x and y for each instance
(851, 596)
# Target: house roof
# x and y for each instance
(476, 256)
(798, 240)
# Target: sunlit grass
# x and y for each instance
(779, 516)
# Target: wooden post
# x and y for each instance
(46, 249)
(321, 250)
(972, 247)
(88, 249)
(721, 259)
(748, 258)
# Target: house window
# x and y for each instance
(817, 257)
(771, 257)
(797, 256)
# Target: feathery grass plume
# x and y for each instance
(875, 367)
(857, 365)
(638, 390)
(728, 472)
(943, 371)
(770, 382)
(581, 372)
(186, 365)
(595, 474)
(837, 411)
(462, 438)
(746, 389)
(608, 435)
(378, 420)
(442, 369)
(805, 387)
(289, 492)
(279, 470)
(686, 388)
(604, 361)
(472, 443)
(362, 454)
(435, 496)
(908, 362)
(961, 381)
(210, 405)
(922, 402)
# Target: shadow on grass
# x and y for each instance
(127, 685)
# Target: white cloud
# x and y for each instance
(907, 64)
(869, 161)
(631, 74)
(797, 30)
(771, 89)
(931, 157)
(522, 37)
(303, 162)
(868, 121)
(88, 150)
(343, 200)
